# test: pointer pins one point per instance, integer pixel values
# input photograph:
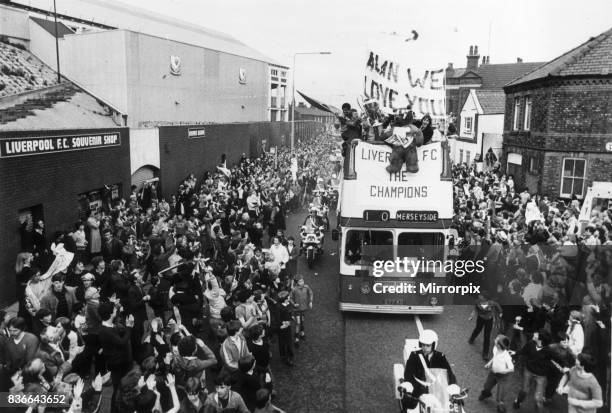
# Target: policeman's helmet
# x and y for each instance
(406, 386)
(453, 390)
(428, 337)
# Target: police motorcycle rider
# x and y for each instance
(321, 203)
(313, 221)
(419, 362)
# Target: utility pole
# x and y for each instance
(59, 76)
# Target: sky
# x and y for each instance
(534, 30)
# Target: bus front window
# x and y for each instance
(428, 246)
(365, 246)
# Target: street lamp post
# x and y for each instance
(293, 97)
(59, 76)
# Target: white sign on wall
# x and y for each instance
(175, 65)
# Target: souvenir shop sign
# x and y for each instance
(399, 73)
(25, 146)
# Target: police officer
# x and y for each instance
(427, 357)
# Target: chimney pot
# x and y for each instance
(471, 50)
(519, 60)
(484, 60)
(476, 50)
(450, 65)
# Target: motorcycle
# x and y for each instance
(441, 398)
(311, 246)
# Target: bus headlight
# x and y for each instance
(433, 301)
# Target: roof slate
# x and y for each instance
(593, 57)
(495, 76)
(491, 101)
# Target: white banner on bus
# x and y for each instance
(399, 72)
(376, 189)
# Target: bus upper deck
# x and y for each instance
(400, 218)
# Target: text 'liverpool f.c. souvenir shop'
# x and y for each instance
(57, 176)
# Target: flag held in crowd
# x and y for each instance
(316, 104)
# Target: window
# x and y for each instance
(274, 72)
(284, 74)
(467, 157)
(572, 177)
(527, 122)
(467, 125)
(460, 155)
(517, 110)
(363, 247)
(428, 245)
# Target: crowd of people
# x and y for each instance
(174, 303)
(546, 288)
(547, 284)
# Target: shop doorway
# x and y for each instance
(101, 199)
(144, 174)
(27, 218)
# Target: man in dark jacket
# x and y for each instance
(420, 361)
(60, 300)
(350, 126)
(192, 361)
(115, 343)
(136, 300)
(112, 248)
(537, 358)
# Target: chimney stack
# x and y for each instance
(519, 60)
(472, 59)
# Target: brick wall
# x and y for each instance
(570, 118)
(598, 168)
(181, 156)
(53, 180)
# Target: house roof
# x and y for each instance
(593, 57)
(49, 26)
(495, 76)
(491, 101)
(458, 72)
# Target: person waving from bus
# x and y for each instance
(419, 363)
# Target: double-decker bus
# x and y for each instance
(393, 230)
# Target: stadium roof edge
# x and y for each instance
(233, 46)
(270, 62)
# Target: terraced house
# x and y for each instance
(558, 122)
